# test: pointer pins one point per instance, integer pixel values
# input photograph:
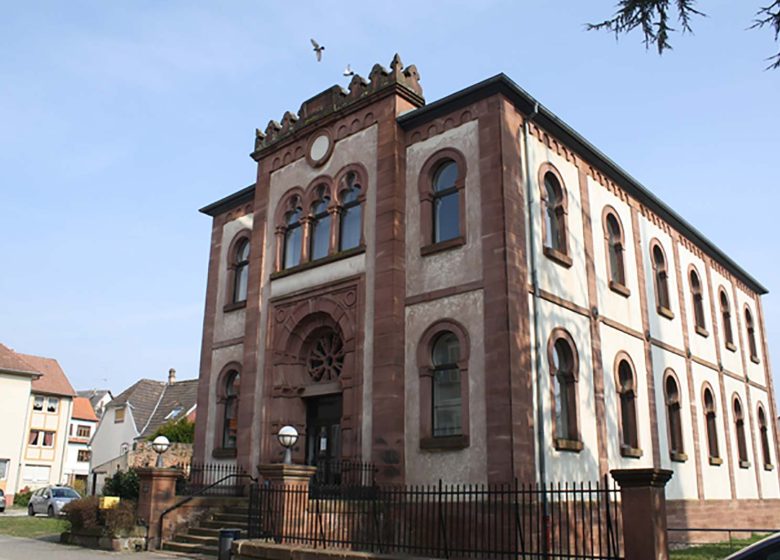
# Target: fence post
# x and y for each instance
(643, 505)
(291, 483)
(157, 492)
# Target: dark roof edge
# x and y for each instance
(229, 202)
(502, 84)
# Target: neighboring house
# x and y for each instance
(134, 415)
(82, 426)
(98, 398)
(471, 291)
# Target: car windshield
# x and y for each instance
(64, 493)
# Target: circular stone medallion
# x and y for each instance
(320, 148)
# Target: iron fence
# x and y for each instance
(227, 479)
(446, 520)
(343, 479)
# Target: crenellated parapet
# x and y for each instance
(405, 80)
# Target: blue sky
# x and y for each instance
(118, 120)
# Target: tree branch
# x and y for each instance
(769, 16)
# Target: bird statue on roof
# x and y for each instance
(348, 71)
(317, 49)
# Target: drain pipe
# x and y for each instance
(541, 451)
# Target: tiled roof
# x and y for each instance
(94, 395)
(53, 381)
(181, 395)
(82, 410)
(11, 361)
(152, 402)
(142, 397)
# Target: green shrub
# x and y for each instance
(22, 497)
(85, 516)
(177, 431)
(82, 514)
(120, 520)
(123, 484)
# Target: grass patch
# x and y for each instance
(31, 527)
(715, 551)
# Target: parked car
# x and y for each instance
(766, 549)
(51, 499)
(2, 501)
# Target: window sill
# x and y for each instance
(234, 306)
(702, 332)
(755, 359)
(573, 445)
(678, 457)
(769, 467)
(744, 464)
(443, 246)
(731, 347)
(446, 443)
(716, 461)
(555, 255)
(319, 262)
(665, 312)
(619, 288)
(224, 453)
(632, 452)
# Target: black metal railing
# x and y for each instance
(198, 476)
(343, 478)
(447, 520)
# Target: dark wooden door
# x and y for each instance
(323, 430)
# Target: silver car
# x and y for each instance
(51, 499)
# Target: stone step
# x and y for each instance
(208, 531)
(203, 540)
(189, 548)
(229, 517)
(211, 524)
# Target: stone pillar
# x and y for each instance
(157, 492)
(288, 488)
(643, 504)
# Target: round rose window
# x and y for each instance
(326, 358)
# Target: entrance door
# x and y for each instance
(323, 430)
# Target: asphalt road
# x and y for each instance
(14, 548)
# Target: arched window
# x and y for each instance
(710, 419)
(446, 408)
(230, 410)
(698, 302)
(320, 225)
(446, 202)
(751, 335)
(293, 236)
(629, 445)
(240, 271)
(725, 313)
(562, 355)
(739, 426)
(764, 430)
(613, 233)
(674, 418)
(350, 224)
(554, 207)
(661, 280)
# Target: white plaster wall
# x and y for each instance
(324, 274)
(219, 359)
(715, 478)
(745, 479)
(701, 346)
(53, 457)
(732, 360)
(72, 464)
(626, 310)
(755, 371)
(14, 399)
(455, 266)
(109, 436)
(457, 466)
(569, 283)
(566, 465)
(667, 330)
(769, 481)
(612, 343)
(683, 483)
(229, 325)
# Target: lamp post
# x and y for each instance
(287, 436)
(160, 445)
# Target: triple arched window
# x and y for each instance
(674, 417)
(711, 425)
(739, 427)
(697, 300)
(725, 314)
(564, 364)
(626, 387)
(661, 280)
(615, 247)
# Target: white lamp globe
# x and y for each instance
(287, 436)
(161, 444)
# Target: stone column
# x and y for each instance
(643, 504)
(288, 488)
(157, 492)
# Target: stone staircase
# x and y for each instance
(203, 538)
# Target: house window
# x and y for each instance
(562, 356)
(446, 408)
(241, 271)
(764, 430)
(751, 335)
(739, 426)
(711, 424)
(83, 456)
(446, 202)
(38, 403)
(725, 313)
(293, 235)
(613, 234)
(320, 225)
(697, 299)
(554, 217)
(628, 426)
(82, 431)
(674, 418)
(52, 405)
(661, 280)
(119, 415)
(230, 410)
(350, 223)
(41, 438)
(4, 468)
(442, 201)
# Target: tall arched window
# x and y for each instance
(230, 410)
(320, 225)
(739, 426)
(446, 202)
(725, 313)
(615, 261)
(240, 271)
(446, 408)
(628, 427)
(674, 418)
(711, 423)
(751, 335)
(293, 236)
(562, 354)
(661, 280)
(350, 224)
(764, 431)
(697, 299)
(554, 207)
